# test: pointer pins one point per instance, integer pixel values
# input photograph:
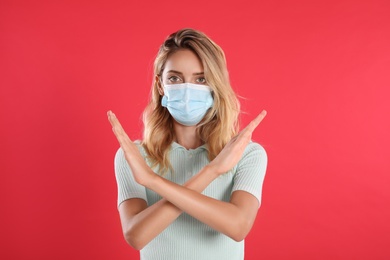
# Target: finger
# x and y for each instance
(116, 125)
(112, 118)
(121, 136)
(255, 122)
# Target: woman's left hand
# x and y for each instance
(141, 171)
(232, 152)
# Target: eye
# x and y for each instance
(174, 79)
(201, 80)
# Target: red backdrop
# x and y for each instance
(320, 69)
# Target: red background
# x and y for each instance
(320, 69)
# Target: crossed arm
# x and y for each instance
(141, 224)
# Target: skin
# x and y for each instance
(183, 67)
(140, 223)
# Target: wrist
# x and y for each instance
(152, 180)
(211, 169)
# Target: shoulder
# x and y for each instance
(120, 163)
(253, 151)
(254, 147)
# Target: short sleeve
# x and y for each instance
(127, 187)
(250, 171)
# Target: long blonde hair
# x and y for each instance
(220, 123)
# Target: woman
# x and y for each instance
(191, 189)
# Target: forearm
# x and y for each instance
(150, 222)
(224, 217)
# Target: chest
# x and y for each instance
(186, 164)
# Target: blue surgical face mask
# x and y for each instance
(187, 103)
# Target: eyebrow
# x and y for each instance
(178, 72)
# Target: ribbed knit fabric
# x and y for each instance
(187, 238)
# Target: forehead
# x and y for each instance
(184, 61)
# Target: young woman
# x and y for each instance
(191, 189)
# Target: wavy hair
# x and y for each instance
(220, 123)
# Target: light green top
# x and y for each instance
(187, 238)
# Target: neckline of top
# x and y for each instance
(175, 145)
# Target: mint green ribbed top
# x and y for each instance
(187, 238)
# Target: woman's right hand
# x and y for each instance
(141, 172)
(232, 152)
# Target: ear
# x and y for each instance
(159, 86)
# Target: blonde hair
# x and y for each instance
(220, 123)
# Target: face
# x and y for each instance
(183, 66)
